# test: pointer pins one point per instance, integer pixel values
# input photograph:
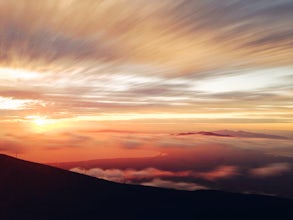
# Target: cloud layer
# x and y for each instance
(196, 162)
(101, 59)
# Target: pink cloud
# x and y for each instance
(272, 169)
(149, 177)
(149, 174)
(128, 175)
(11, 146)
(174, 185)
(221, 172)
(115, 175)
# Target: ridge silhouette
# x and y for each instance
(35, 191)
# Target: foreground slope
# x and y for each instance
(34, 191)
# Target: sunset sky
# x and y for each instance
(93, 79)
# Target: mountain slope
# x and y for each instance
(34, 191)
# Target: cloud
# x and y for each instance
(221, 172)
(174, 185)
(228, 164)
(20, 94)
(270, 170)
(128, 175)
(192, 36)
(11, 147)
(159, 57)
(147, 174)
(111, 174)
(147, 177)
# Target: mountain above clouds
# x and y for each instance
(248, 134)
(204, 133)
(231, 133)
(35, 191)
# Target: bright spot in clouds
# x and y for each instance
(246, 80)
(13, 74)
(13, 104)
(42, 123)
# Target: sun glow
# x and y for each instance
(40, 120)
(39, 123)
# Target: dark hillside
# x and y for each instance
(35, 191)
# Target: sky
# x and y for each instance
(93, 79)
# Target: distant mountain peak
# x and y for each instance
(232, 133)
(247, 134)
(207, 133)
(213, 134)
